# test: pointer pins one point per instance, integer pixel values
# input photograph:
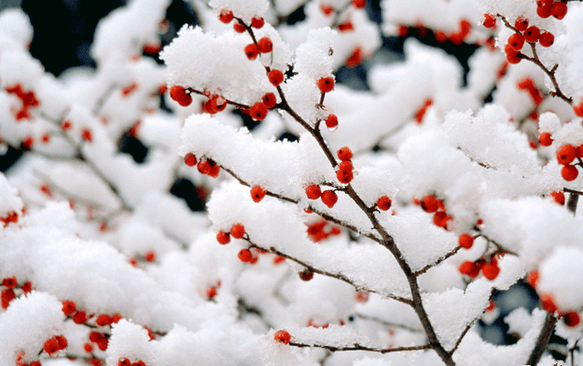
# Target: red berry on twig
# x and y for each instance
(531, 34)
(489, 21)
(545, 139)
(10, 282)
(566, 154)
(223, 238)
(257, 193)
(269, 100)
(466, 241)
(245, 255)
(329, 198)
(251, 51)
(265, 45)
(469, 269)
(547, 39)
(69, 307)
(331, 121)
(344, 153)
(282, 336)
(257, 22)
(384, 203)
(190, 159)
(237, 231)
(258, 111)
(313, 192)
(179, 94)
(569, 172)
(521, 24)
(326, 84)
(275, 77)
(226, 16)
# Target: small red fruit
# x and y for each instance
(245, 255)
(61, 341)
(265, 45)
(7, 296)
(466, 241)
(51, 346)
(344, 177)
(469, 269)
(516, 41)
(269, 100)
(545, 139)
(329, 198)
(103, 320)
(313, 192)
(441, 219)
(226, 16)
(69, 307)
(258, 111)
(66, 125)
(251, 51)
(306, 275)
(237, 231)
(88, 347)
(547, 39)
(346, 26)
(223, 238)
(579, 109)
(10, 282)
(532, 279)
(123, 362)
(559, 9)
(326, 84)
(326, 9)
(489, 21)
(190, 159)
(429, 204)
(346, 166)
(521, 24)
(331, 121)
(275, 77)
(282, 336)
(571, 319)
(179, 94)
(384, 203)
(548, 303)
(257, 193)
(566, 154)
(344, 153)
(490, 270)
(139, 363)
(80, 317)
(532, 34)
(257, 22)
(569, 172)
(359, 4)
(239, 27)
(559, 197)
(116, 318)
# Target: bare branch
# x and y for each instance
(429, 266)
(358, 347)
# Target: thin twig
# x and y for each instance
(358, 347)
(542, 340)
(429, 266)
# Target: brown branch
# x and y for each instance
(429, 266)
(572, 202)
(358, 347)
(543, 340)
(338, 276)
(459, 341)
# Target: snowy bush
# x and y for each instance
(376, 237)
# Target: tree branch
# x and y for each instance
(543, 340)
(358, 347)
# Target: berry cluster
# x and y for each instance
(566, 154)
(55, 344)
(27, 98)
(11, 216)
(237, 232)
(489, 269)
(11, 287)
(345, 174)
(205, 166)
(431, 204)
(321, 230)
(525, 34)
(546, 8)
(570, 317)
(329, 197)
(126, 362)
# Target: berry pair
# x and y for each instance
(431, 204)
(490, 270)
(566, 154)
(329, 197)
(237, 232)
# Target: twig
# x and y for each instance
(429, 266)
(543, 340)
(358, 347)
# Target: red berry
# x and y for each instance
(559, 197)
(516, 41)
(313, 192)
(257, 193)
(257, 22)
(566, 154)
(95, 337)
(66, 125)
(275, 77)
(359, 4)
(543, 12)
(346, 26)
(7, 296)
(269, 100)
(331, 121)
(344, 153)
(531, 34)
(490, 270)
(569, 173)
(226, 16)
(103, 320)
(237, 231)
(489, 21)
(441, 219)
(306, 275)
(466, 241)
(51, 346)
(116, 318)
(282, 336)
(86, 135)
(344, 176)
(429, 204)
(579, 109)
(469, 269)
(204, 166)
(545, 139)
(62, 342)
(546, 39)
(265, 45)
(355, 58)
(179, 94)
(123, 362)
(245, 255)
(69, 307)
(139, 363)
(548, 303)
(88, 347)
(571, 318)
(326, 9)
(345, 166)
(580, 151)
(329, 198)
(223, 237)
(190, 159)
(326, 84)
(95, 362)
(532, 278)
(258, 111)
(251, 50)
(559, 9)
(10, 282)
(384, 203)
(521, 24)
(239, 27)
(80, 317)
